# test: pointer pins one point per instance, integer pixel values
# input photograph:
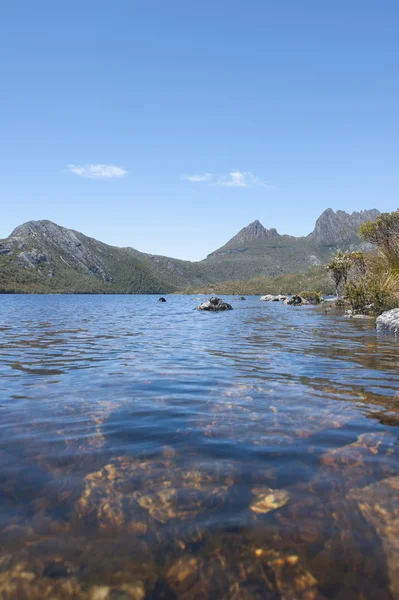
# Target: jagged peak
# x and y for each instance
(333, 227)
(255, 231)
(327, 212)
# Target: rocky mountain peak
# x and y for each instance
(332, 228)
(254, 231)
(34, 228)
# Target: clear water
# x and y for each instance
(149, 450)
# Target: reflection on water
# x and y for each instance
(152, 451)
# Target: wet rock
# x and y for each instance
(379, 504)
(353, 465)
(22, 581)
(214, 304)
(242, 298)
(388, 321)
(125, 592)
(134, 494)
(59, 569)
(273, 298)
(296, 301)
(267, 499)
(385, 417)
(352, 315)
(67, 568)
(232, 567)
(162, 300)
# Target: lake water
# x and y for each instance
(149, 450)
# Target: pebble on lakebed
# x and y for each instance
(267, 499)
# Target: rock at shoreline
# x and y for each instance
(388, 321)
(162, 300)
(214, 304)
(273, 298)
(296, 301)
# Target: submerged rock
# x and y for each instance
(379, 504)
(238, 567)
(242, 298)
(214, 304)
(67, 568)
(135, 495)
(162, 300)
(273, 298)
(388, 321)
(354, 464)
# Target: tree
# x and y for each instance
(345, 265)
(339, 268)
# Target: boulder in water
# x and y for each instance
(162, 300)
(273, 298)
(296, 301)
(388, 321)
(214, 304)
(242, 298)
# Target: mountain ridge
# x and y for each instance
(43, 256)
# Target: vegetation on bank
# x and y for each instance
(370, 282)
(311, 296)
(65, 280)
(316, 278)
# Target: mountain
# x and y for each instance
(40, 256)
(254, 231)
(259, 252)
(333, 228)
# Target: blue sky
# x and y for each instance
(169, 125)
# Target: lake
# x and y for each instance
(149, 450)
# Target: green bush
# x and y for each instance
(311, 296)
(384, 233)
(373, 294)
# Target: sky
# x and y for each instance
(168, 125)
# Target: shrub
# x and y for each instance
(384, 233)
(373, 294)
(311, 296)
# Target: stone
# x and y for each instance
(353, 465)
(162, 300)
(128, 493)
(379, 505)
(273, 298)
(242, 298)
(214, 304)
(388, 321)
(267, 500)
(241, 568)
(296, 301)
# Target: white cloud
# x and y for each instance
(97, 171)
(234, 179)
(239, 179)
(197, 178)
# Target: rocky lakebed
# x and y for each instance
(153, 451)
